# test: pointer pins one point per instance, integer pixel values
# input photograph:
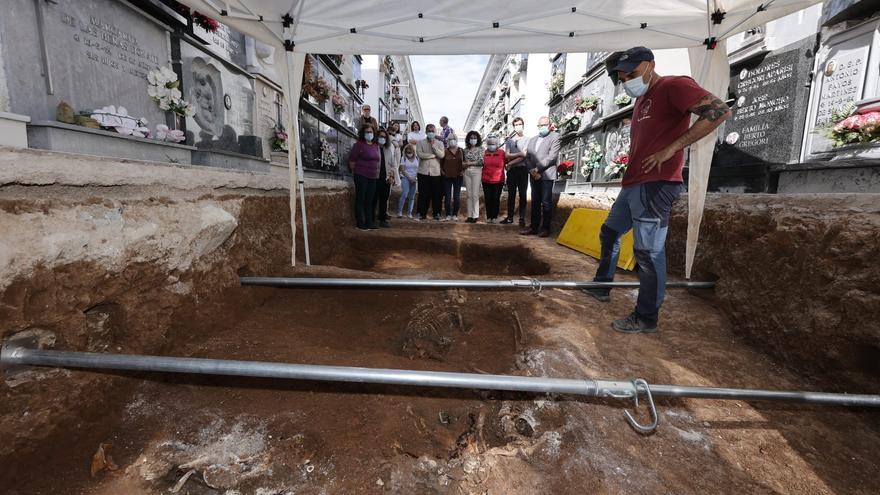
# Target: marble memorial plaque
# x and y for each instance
(223, 101)
(99, 53)
(842, 77)
(769, 111)
(225, 42)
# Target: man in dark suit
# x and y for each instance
(542, 156)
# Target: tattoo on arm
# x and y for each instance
(710, 108)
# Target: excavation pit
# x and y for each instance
(137, 433)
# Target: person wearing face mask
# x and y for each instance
(415, 134)
(542, 156)
(388, 177)
(493, 177)
(661, 129)
(409, 168)
(364, 163)
(430, 152)
(517, 175)
(473, 174)
(452, 169)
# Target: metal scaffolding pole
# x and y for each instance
(23, 354)
(402, 283)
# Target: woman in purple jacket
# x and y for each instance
(364, 165)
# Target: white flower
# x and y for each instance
(175, 93)
(164, 104)
(163, 133)
(167, 74)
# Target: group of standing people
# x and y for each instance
(431, 167)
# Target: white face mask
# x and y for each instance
(636, 86)
(453, 143)
(382, 141)
(473, 142)
(492, 148)
(518, 129)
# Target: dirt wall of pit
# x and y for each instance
(121, 256)
(798, 275)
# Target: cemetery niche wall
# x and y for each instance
(769, 94)
(840, 154)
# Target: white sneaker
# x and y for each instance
(409, 216)
(448, 218)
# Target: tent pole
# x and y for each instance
(295, 67)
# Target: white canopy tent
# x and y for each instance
(429, 27)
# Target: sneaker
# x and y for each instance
(633, 324)
(436, 218)
(360, 227)
(372, 227)
(522, 223)
(384, 224)
(601, 295)
(470, 220)
(409, 216)
(507, 221)
(422, 219)
(529, 232)
(448, 218)
(400, 215)
(544, 233)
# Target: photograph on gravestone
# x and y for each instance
(770, 94)
(98, 54)
(224, 104)
(842, 78)
(617, 140)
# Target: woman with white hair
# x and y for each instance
(493, 177)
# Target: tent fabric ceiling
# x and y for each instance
(420, 27)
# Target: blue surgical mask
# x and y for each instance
(369, 137)
(492, 148)
(382, 141)
(636, 86)
(543, 130)
(429, 135)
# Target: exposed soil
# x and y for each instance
(212, 435)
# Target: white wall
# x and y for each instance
(537, 76)
(370, 73)
(673, 62)
(575, 66)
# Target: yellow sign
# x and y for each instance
(581, 233)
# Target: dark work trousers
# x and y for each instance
(383, 191)
(517, 182)
(364, 200)
(430, 192)
(644, 208)
(452, 195)
(542, 204)
(493, 199)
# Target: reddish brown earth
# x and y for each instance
(268, 437)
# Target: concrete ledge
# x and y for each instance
(230, 160)
(13, 129)
(57, 136)
(39, 167)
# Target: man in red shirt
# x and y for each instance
(660, 132)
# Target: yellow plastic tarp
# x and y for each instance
(581, 233)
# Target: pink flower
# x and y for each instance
(851, 122)
(871, 118)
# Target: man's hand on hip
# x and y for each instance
(656, 160)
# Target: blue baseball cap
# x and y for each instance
(630, 59)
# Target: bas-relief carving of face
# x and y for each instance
(204, 95)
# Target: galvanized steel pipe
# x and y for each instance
(15, 355)
(403, 283)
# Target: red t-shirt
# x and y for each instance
(493, 166)
(661, 116)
